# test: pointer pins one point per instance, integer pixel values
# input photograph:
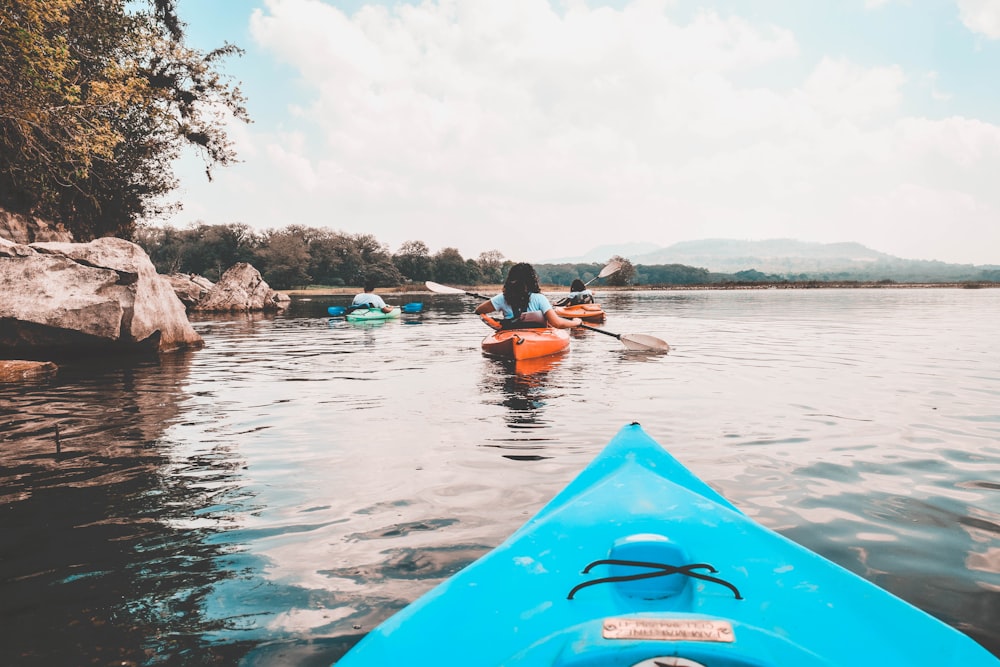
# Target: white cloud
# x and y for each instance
(544, 131)
(926, 223)
(510, 113)
(843, 89)
(981, 16)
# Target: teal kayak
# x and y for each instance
(370, 314)
(639, 563)
(340, 311)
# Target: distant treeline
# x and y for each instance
(300, 256)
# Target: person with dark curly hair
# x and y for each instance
(522, 304)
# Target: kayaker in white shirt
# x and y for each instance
(370, 299)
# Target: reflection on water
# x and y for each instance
(91, 565)
(268, 499)
(524, 388)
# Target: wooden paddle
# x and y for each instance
(636, 342)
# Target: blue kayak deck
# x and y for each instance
(637, 559)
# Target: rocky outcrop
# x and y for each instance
(202, 281)
(189, 287)
(74, 298)
(241, 288)
(26, 229)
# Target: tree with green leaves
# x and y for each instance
(376, 261)
(327, 252)
(492, 266)
(97, 98)
(219, 247)
(414, 261)
(450, 267)
(207, 250)
(625, 276)
(672, 274)
(164, 245)
(282, 259)
(565, 274)
(473, 274)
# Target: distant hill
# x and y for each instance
(772, 256)
(792, 260)
(601, 254)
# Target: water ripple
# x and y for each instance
(270, 498)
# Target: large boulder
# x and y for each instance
(241, 288)
(26, 229)
(73, 298)
(189, 287)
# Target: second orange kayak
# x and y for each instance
(588, 312)
(526, 343)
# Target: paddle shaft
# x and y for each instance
(606, 333)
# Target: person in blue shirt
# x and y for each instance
(578, 294)
(522, 304)
(369, 299)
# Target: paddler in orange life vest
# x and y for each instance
(522, 304)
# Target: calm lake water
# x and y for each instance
(270, 498)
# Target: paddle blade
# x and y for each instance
(612, 267)
(644, 343)
(442, 289)
(414, 307)
(336, 311)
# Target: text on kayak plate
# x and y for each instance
(675, 630)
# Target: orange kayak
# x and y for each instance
(526, 343)
(588, 312)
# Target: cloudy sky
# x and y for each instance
(545, 128)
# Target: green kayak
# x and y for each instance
(372, 314)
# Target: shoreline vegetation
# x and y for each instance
(298, 258)
(489, 290)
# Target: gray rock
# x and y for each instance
(241, 288)
(202, 281)
(189, 288)
(101, 296)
